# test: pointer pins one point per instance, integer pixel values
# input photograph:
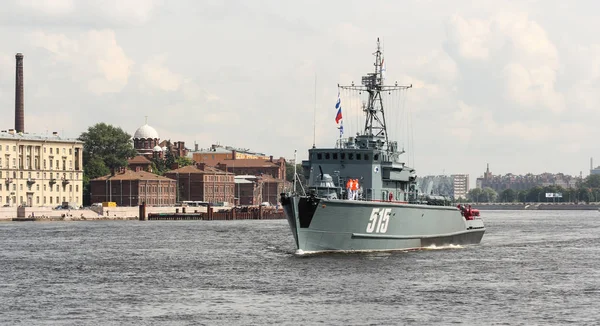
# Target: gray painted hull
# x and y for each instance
(347, 225)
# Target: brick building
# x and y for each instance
(139, 163)
(132, 188)
(203, 183)
(219, 152)
(254, 190)
(274, 168)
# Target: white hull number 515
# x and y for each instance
(379, 220)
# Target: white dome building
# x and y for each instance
(146, 132)
(145, 140)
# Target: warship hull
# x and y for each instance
(324, 225)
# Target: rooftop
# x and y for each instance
(140, 159)
(243, 163)
(133, 175)
(193, 169)
(37, 137)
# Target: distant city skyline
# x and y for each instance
(513, 84)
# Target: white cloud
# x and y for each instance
(159, 76)
(93, 57)
(517, 46)
(79, 13)
(47, 7)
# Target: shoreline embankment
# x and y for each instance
(148, 213)
(536, 206)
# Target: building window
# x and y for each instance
(70, 151)
(44, 199)
(70, 187)
(44, 187)
(76, 187)
(50, 150)
(21, 186)
(37, 199)
(37, 187)
(50, 199)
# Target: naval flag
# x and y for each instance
(338, 116)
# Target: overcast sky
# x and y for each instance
(512, 84)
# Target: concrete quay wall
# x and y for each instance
(536, 206)
(95, 213)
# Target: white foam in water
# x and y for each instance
(450, 246)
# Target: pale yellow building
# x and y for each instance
(40, 170)
(218, 152)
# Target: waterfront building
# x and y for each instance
(219, 152)
(437, 185)
(139, 163)
(203, 183)
(132, 188)
(255, 190)
(274, 168)
(525, 182)
(146, 142)
(460, 184)
(40, 170)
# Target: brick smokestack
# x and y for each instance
(19, 107)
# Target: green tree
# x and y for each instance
(508, 196)
(474, 195)
(184, 161)
(489, 194)
(105, 149)
(289, 174)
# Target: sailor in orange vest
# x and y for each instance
(349, 188)
(354, 189)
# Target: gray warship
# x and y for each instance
(388, 213)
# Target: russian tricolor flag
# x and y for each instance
(338, 106)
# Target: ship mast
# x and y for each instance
(372, 83)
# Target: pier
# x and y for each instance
(259, 213)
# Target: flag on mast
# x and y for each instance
(338, 116)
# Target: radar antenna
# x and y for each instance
(372, 83)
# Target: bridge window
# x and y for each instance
(366, 157)
(335, 156)
(319, 156)
(358, 156)
(376, 157)
(350, 156)
(327, 156)
(343, 156)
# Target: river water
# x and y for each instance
(532, 268)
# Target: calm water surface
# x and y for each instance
(532, 268)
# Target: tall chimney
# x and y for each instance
(19, 108)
